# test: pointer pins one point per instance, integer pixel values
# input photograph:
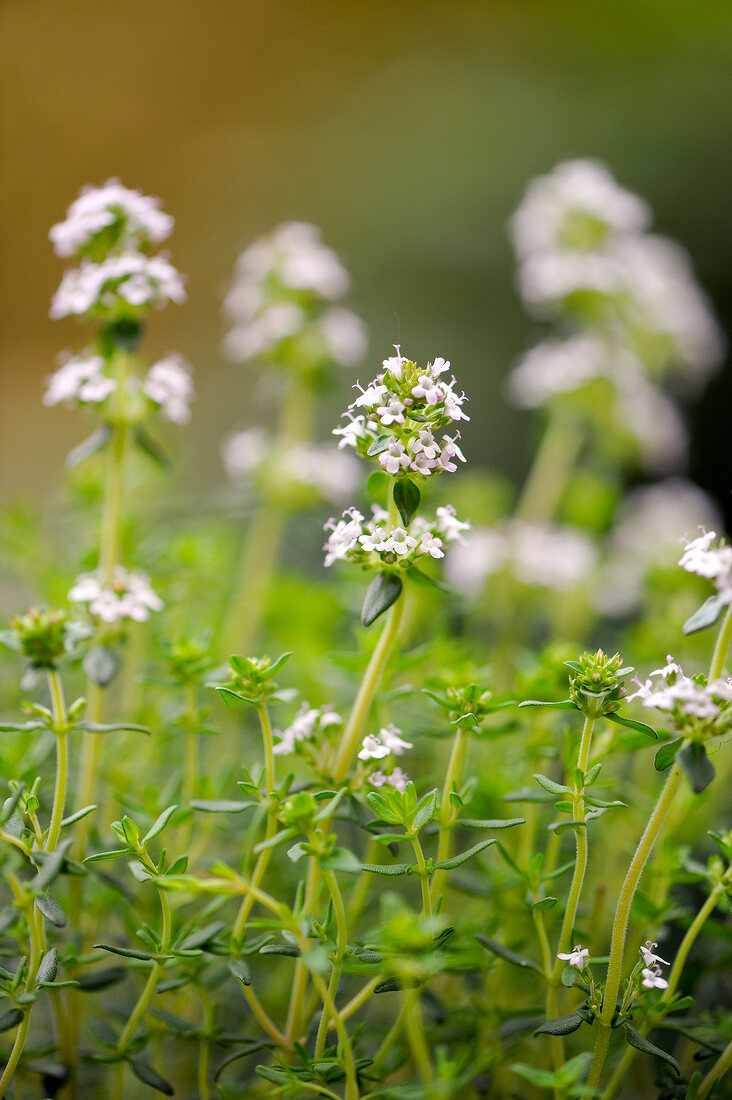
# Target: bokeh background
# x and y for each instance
(406, 130)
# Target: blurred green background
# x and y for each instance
(406, 130)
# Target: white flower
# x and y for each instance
(428, 389)
(397, 779)
(168, 384)
(449, 525)
(427, 445)
(371, 396)
(652, 978)
(139, 218)
(275, 323)
(431, 544)
(702, 558)
(393, 413)
(79, 378)
(129, 277)
(344, 535)
(394, 458)
(399, 541)
(551, 556)
(391, 737)
(335, 475)
(375, 539)
(449, 451)
(307, 723)
(351, 432)
(344, 334)
(372, 748)
(648, 956)
(129, 596)
(555, 367)
(395, 363)
(576, 957)
(387, 741)
(470, 561)
(678, 692)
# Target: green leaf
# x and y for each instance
(50, 909)
(551, 786)
(268, 673)
(382, 809)
(423, 578)
(151, 1077)
(11, 1017)
(89, 446)
(152, 448)
(601, 804)
(21, 727)
(564, 704)
(388, 868)
(425, 811)
(49, 966)
(50, 867)
(562, 826)
(220, 806)
(112, 853)
(202, 936)
(407, 498)
(666, 755)
(562, 1025)
(635, 1039)
(232, 698)
(388, 985)
(111, 727)
(384, 590)
(128, 953)
(73, 818)
(240, 970)
(570, 976)
(288, 949)
(101, 978)
(507, 955)
(696, 766)
(159, 824)
(341, 859)
(463, 857)
(101, 664)
(704, 617)
(491, 823)
(545, 903)
(379, 445)
(632, 724)
(722, 844)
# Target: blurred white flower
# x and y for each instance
(168, 384)
(557, 366)
(129, 596)
(397, 779)
(127, 279)
(79, 378)
(335, 474)
(138, 220)
(243, 453)
(344, 334)
(307, 724)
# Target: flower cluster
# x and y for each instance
(597, 686)
(308, 723)
(128, 596)
(651, 972)
(387, 743)
(689, 700)
(703, 557)
(539, 555)
(111, 216)
(86, 379)
(376, 542)
(308, 467)
(119, 286)
(280, 305)
(406, 408)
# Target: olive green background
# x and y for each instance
(406, 130)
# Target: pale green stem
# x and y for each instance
(447, 816)
(264, 856)
(60, 728)
(575, 889)
(716, 1073)
(546, 953)
(423, 879)
(35, 932)
(204, 1059)
(417, 1042)
(341, 946)
(618, 1078)
(369, 686)
(550, 469)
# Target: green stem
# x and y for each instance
(417, 1042)
(146, 996)
(35, 933)
(575, 889)
(60, 728)
(720, 650)
(447, 815)
(204, 1060)
(423, 879)
(367, 690)
(550, 469)
(264, 857)
(716, 1073)
(341, 946)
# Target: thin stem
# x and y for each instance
(341, 946)
(264, 856)
(575, 889)
(447, 816)
(722, 645)
(367, 690)
(146, 996)
(204, 1060)
(35, 932)
(60, 728)
(549, 471)
(716, 1073)
(423, 878)
(415, 1035)
(546, 953)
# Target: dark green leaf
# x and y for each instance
(704, 617)
(491, 823)
(425, 811)
(341, 859)
(632, 724)
(89, 446)
(570, 976)
(545, 903)
(379, 445)
(152, 448)
(562, 1025)
(407, 498)
(463, 857)
(384, 590)
(388, 868)
(388, 985)
(507, 955)
(288, 949)
(240, 969)
(126, 952)
(151, 1077)
(101, 978)
(49, 966)
(667, 754)
(202, 936)
(50, 909)
(101, 664)
(696, 766)
(641, 1043)
(562, 826)
(419, 575)
(11, 1017)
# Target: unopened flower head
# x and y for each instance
(110, 218)
(169, 386)
(129, 596)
